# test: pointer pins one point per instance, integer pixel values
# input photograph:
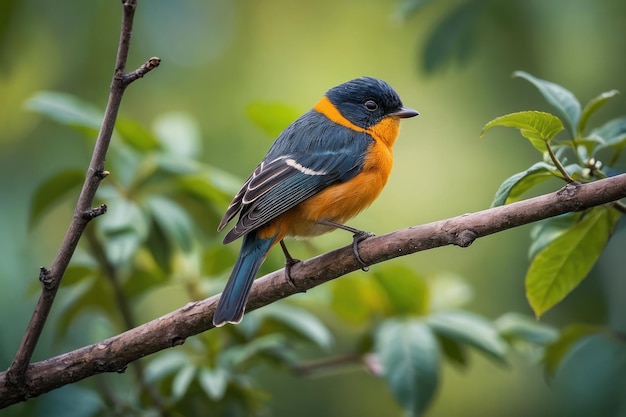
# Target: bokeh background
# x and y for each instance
(219, 57)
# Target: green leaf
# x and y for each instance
(409, 356)
(173, 221)
(135, 135)
(562, 99)
(448, 291)
(454, 351)
(182, 380)
(612, 134)
(517, 326)
(513, 187)
(67, 110)
(591, 378)
(52, 191)
(179, 135)
(453, 38)
(165, 363)
(545, 231)
(241, 355)
(559, 267)
(538, 127)
(298, 322)
(470, 329)
(271, 117)
(559, 348)
(593, 106)
(405, 291)
(214, 382)
(408, 7)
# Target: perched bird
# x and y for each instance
(321, 171)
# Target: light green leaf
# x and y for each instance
(560, 266)
(470, 329)
(593, 106)
(569, 336)
(67, 110)
(240, 355)
(448, 291)
(182, 380)
(298, 321)
(164, 364)
(179, 135)
(409, 356)
(518, 326)
(271, 117)
(562, 99)
(538, 127)
(214, 382)
(513, 187)
(405, 291)
(52, 191)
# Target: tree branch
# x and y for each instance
(83, 212)
(115, 353)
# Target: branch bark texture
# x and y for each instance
(115, 353)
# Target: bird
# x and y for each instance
(321, 171)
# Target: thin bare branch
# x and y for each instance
(83, 212)
(115, 353)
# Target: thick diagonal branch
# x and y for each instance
(173, 329)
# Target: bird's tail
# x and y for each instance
(232, 303)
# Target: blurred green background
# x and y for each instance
(219, 57)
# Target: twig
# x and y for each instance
(173, 329)
(83, 213)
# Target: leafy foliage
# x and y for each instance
(561, 260)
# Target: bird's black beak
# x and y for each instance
(405, 113)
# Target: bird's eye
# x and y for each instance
(371, 105)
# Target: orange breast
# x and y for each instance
(341, 202)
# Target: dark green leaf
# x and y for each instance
(135, 135)
(591, 378)
(52, 191)
(470, 329)
(561, 265)
(241, 355)
(173, 220)
(67, 110)
(453, 38)
(516, 185)
(271, 117)
(562, 99)
(593, 106)
(454, 351)
(409, 356)
(569, 336)
(544, 232)
(538, 127)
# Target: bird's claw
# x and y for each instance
(356, 239)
